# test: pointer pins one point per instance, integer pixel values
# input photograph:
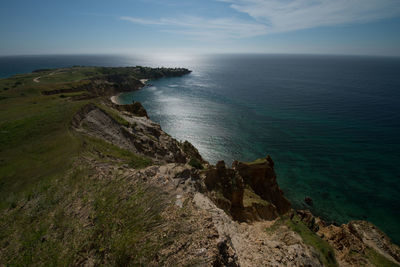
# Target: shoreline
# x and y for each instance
(144, 81)
(114, 99)
(241, 215)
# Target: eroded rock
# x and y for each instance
(138, 134)
(231, 228)
(135, 109)
(248, 191)
(261, 177)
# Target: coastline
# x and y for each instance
(234, 214)
(114, 99)
(334, 244)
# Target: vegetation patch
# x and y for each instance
(55, 208)
(79, 219)
(257, 161)
(195, 163)
(249, 197)
(115, 115)
(280, 221)
(103, 151)
(379, 260)
(35, 141)
(325, 252)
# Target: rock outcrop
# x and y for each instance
(135, 108)
(247, 191)
(261, 177)
(138, 134)
(357, 243)
(224, 216)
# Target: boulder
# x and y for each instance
(308, 201)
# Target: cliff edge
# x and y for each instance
(238, 216)
(85, 182)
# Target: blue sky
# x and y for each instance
(369, 27)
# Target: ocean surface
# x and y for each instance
(331, 123)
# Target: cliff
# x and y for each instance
(235, 216)
(86, 182)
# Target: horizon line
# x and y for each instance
(198, 54)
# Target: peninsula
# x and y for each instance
(87, 182)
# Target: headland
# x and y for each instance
(86, 181)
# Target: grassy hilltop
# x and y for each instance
(35, 113)
(43, 185)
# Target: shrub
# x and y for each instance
(195, 163)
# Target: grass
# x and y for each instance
(70, 219)
(35, 138)
(379, 260)
(67, 75)
(278, 223)
(257, 161)
(249, 197)
(325, 252)
(35, 141)
(113, 114)
(111, 152)
(73, 94)
(54, 211)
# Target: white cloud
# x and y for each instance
(290, 15)
(221, 28)
(142, 21)
(273, 16)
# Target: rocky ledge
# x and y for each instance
(225, 216)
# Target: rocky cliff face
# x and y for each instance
(128, 130)
(358, 243)
(224, 216)
(135, 109)
(247, 191)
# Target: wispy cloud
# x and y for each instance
(143, 21)
(274, 16)
(221, 28)
(290, 15)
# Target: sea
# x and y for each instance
(330, 123)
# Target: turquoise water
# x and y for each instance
(330, 123)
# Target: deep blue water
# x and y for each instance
(331, 123)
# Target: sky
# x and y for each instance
(356, 27)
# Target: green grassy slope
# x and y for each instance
(54, 210)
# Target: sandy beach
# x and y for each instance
(114, 99)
